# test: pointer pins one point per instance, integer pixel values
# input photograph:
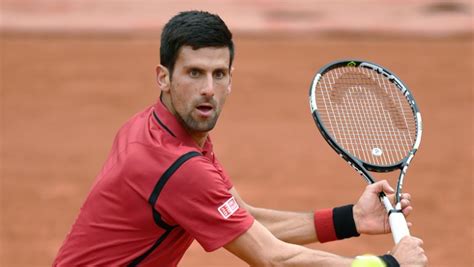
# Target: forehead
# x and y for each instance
(206, 57)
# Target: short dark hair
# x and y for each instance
(197, 29)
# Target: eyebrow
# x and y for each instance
(200, 67)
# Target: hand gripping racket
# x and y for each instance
(370, 118)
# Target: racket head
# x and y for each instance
(366, 114)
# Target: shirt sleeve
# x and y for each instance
(197, 198)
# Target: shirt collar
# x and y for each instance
(168, 122)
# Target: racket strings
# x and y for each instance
(366, 114)
(344, 83)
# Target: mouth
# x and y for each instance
(205, 109)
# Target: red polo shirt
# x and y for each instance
(157, 192)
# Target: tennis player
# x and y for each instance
(162, 186)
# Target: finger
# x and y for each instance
(405, 203)
(406, 196)
(386, 187)
(406, 211)
(418, 240)
(382, 186)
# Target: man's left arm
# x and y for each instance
(367, 216)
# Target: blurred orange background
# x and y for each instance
(73, 71)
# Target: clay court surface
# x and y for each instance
(63, 98)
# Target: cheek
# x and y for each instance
(177, 96)
(223, 97)
(183, 97)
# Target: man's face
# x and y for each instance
(199, 86)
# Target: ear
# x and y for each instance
(163, 78)
(229, 87)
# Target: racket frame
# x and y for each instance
(396, 218)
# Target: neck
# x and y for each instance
(199, 138)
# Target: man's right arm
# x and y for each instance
(258, 247)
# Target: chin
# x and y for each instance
(203, 126)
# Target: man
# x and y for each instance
(162, 186)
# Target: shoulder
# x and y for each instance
(195, 168)
(161, 160)
(192, 177)
(136, 121)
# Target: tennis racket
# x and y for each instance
(370, 118)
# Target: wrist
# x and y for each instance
(389, 260)
(335, 224)
(356, 213)
(344, 222)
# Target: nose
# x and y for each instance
(208, 87)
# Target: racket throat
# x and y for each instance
(388, 206)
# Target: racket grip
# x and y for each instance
(399, 226)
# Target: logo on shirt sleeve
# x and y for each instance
(228, 208)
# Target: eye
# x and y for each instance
(219, 74)
(194, 73)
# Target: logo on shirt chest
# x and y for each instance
(228, 208)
